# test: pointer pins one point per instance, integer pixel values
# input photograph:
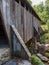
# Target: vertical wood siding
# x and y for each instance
(23, 22)
(25, 39)
(19, 18)
(6, 14)
(36, 23)
(14, 14)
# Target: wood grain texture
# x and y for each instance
(20, 40)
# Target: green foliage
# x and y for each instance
(39, 8)
(44, 27)
(43, 11)
(46, 36)
(47, 55)
(44, 39)
(36, 61)
(47, 6)
(48, 25)
(29, 1)
(44, 17)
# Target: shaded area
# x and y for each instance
(3, 39)
(18, 46)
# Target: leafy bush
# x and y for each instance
(47, 55)
(46, 35)
(44, 27)
(44, 38)
(36, 61)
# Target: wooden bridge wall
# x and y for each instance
(36, 23)
(14, 14)
(24, 22)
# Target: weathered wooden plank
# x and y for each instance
(0, 5)
(25, 34)
(31, 26)
(19, 18)
(20, 40)
(14, 13)
(36, 23)
(6, 15)
(22, 22)
(28, 26)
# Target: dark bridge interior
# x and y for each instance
(3, 38)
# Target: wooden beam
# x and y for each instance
(20, 40)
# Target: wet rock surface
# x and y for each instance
(43, 58)
(17, 62)
(4, 55)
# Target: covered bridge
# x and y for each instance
(20, 24)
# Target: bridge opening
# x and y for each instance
(4, 45)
